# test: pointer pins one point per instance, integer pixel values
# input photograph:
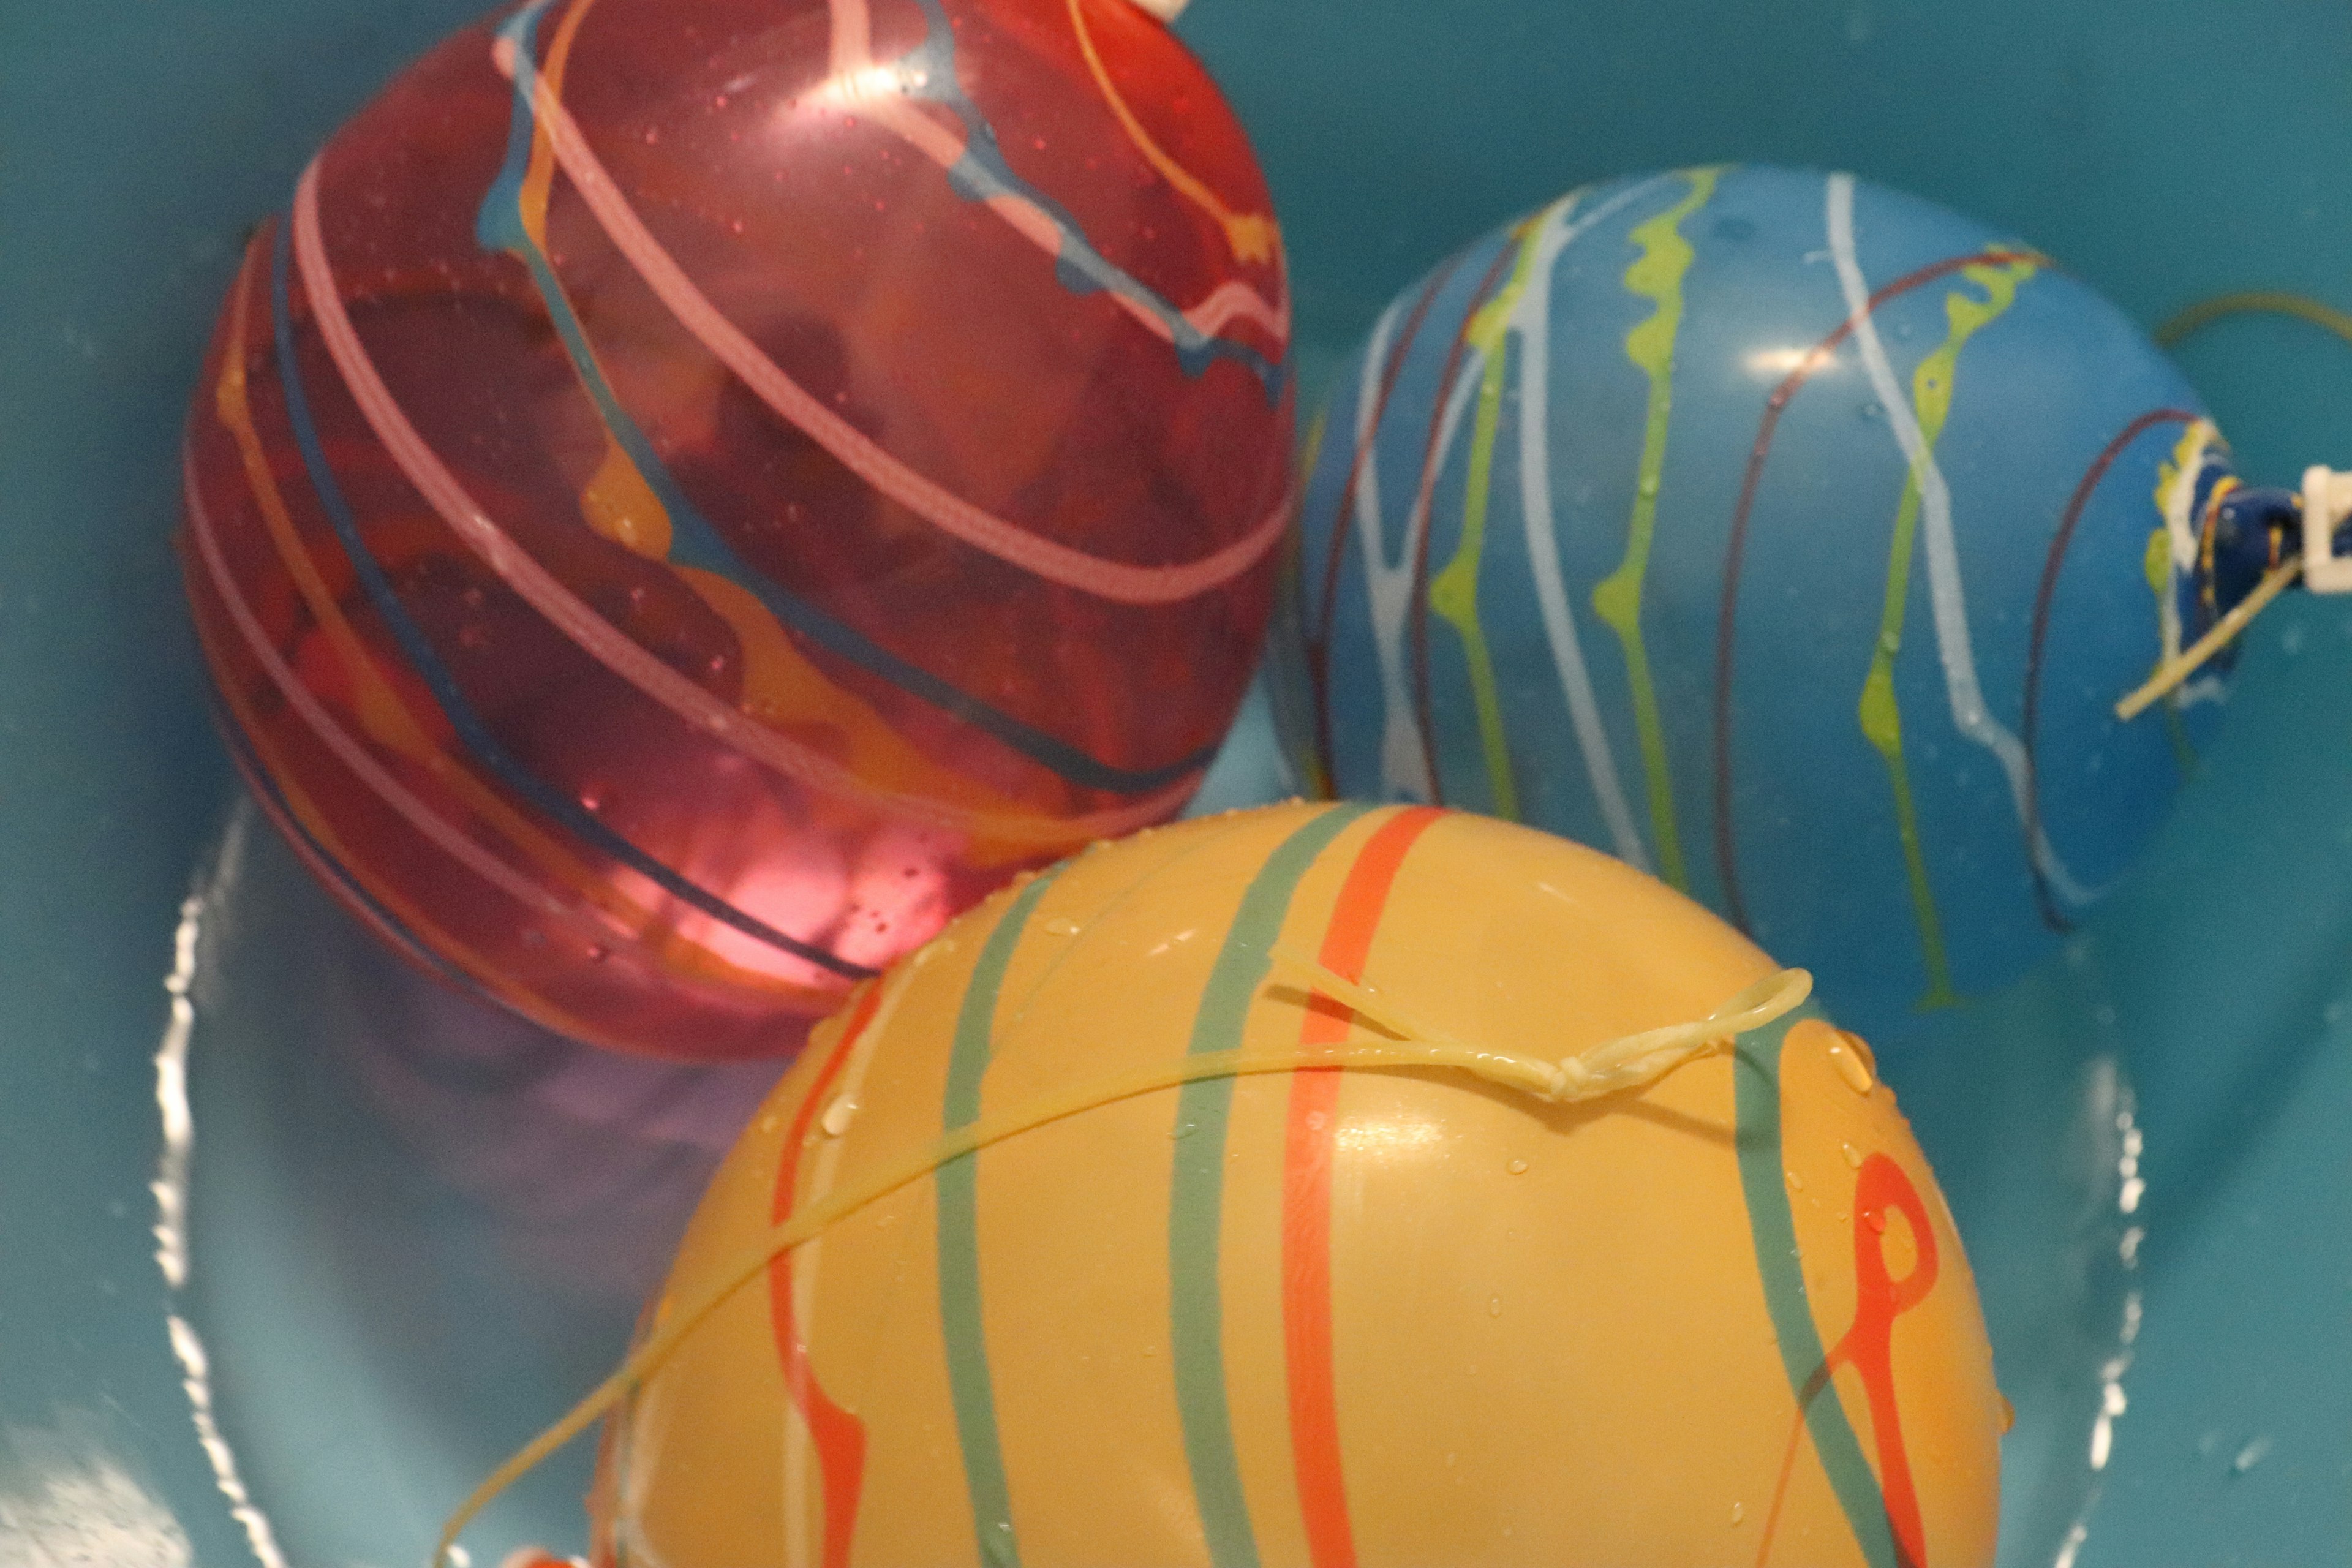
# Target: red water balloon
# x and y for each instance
(692, 493)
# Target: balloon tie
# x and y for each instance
(2173, 671)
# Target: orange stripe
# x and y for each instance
(1251, 237)
(341, 863)
(1307, 1198)
(384, 717)
(839, 1436)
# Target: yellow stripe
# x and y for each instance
(1879, 712)
(1656, 274)
(1453, 591)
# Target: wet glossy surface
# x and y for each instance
(2213, 982)
(1302, 1316)
(1623, 526)
(683, 499)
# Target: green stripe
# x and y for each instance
(1196, 1203)
(1774, 1231)
(957, 1181)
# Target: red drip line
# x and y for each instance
(838, 1435)
(1318, 644)
(1735, 549)
(2052, 916)
(1868, 1347)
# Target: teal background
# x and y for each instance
(417, 1231)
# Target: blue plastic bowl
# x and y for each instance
(293, 1246)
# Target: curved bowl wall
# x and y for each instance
(293, 1246)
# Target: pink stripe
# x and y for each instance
(1235, 300)
(603, 642)
(338, 740)
(1116, 581)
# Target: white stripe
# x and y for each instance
(1389, 589)
(1531, 319)
(1946, 591)
(1404, 763)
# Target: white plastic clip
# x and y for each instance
(2326, 505)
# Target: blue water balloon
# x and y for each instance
(1790, 537)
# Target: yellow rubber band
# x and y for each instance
(2173, 671)
(2253, 302)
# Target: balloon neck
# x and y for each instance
(2232, 549)
(2253, 529)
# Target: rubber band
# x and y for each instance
(2173, 671)
(1611, 1067)
(2253, 302)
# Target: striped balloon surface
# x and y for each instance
(692, 493)
(1782, 534)
(1330, 1317)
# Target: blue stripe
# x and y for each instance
(962, 1320)
(1780, 1263)
(472, 733)
(983, 174)
(1196, 1313)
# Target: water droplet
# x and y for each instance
(1062, 925)
(1851, 1059)
(1495, 1306)
(1853, 1156)
(1181, 1129)
(598, 952)
(2252, 1454)
(1796, 1182)
(1875, 1219)
(1516, 1167)
(1738, 1512)
(2008, 1413)
(1650, 487)
(838, 1115)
